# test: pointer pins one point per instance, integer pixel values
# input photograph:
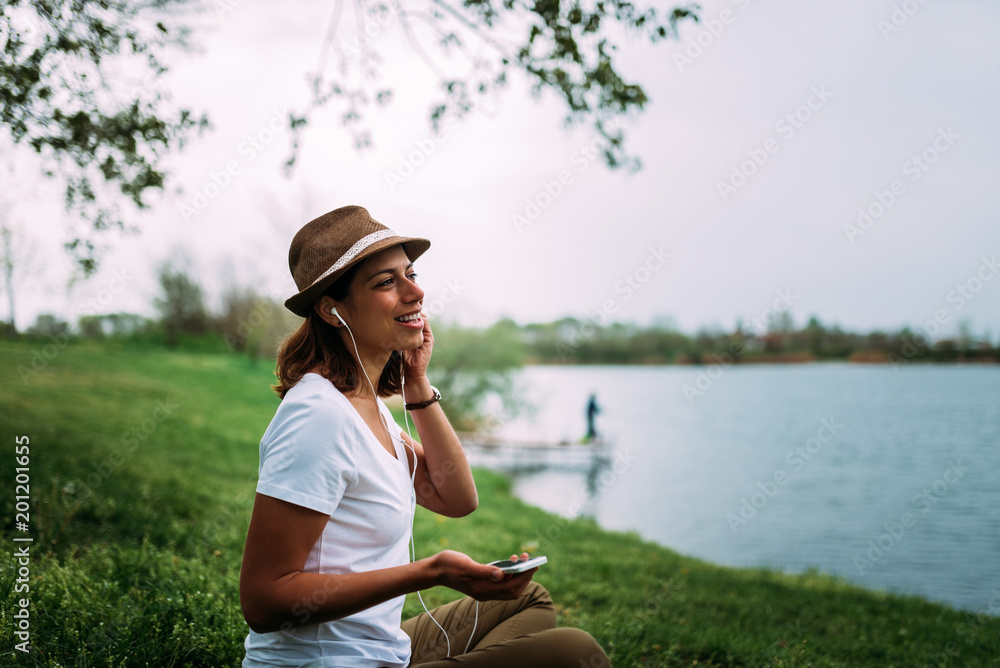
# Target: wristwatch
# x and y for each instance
(425, 404)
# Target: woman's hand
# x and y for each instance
(418, 358)
(442, 479)
(480, 581)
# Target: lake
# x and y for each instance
(889, 477)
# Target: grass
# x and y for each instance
(143, 464)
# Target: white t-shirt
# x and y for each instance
(318, 452)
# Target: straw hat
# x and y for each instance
(328, 246)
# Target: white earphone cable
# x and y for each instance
(413, 506)
(473, 634)
(413, 472)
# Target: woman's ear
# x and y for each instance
(324, 307)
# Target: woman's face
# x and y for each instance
(383, 303)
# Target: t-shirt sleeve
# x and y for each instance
(307, 454)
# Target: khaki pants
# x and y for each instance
(521, 634)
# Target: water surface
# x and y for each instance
(887, 477)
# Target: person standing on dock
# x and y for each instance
(592, 410)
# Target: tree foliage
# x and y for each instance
(574, 341)
(181, 304)
(471, 367)
(564, 46)
(79, 81)
(62, 94)
(18, 262)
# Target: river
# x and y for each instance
(887, 476)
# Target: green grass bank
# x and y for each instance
(142, 471)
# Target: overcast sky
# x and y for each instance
(770, 125)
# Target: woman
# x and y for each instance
(326, 565)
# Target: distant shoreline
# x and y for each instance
(778, 358)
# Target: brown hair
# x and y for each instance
(316, 344)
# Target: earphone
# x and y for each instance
(413, 473)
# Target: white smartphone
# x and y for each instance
(508, 566)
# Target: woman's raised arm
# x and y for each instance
(443, 481)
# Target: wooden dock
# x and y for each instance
(521, 455)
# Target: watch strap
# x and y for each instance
(424, 404)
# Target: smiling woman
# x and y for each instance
(326, 566)
(312, 349)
